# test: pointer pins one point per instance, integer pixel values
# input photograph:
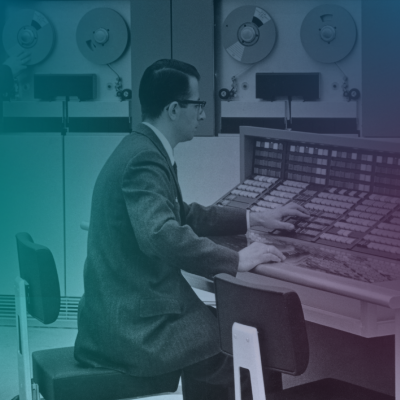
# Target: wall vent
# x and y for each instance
(66, 319)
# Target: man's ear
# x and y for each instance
(173, 110)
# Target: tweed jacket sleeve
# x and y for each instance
(214, 220)
(162, 223)
(6, 82)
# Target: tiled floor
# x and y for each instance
(39, 339)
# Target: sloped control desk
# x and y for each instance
(344, 261)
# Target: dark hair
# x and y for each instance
(162, 83)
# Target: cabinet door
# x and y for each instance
(150, 41)
(85, 156)
(380, 68)
(31, 200)
(193, 42)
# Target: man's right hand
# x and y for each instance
(18, 62)
(256, 254)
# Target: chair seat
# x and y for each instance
(328, 389)
(61, 377)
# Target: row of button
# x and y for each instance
(244, 193)
(309, 160)
(268, 163)
(274, 199)
(352, 227)
(323, 221)
(350, 175)
(319, 207)
(350, 185)
(389, 227)
(383, 240)
(380, 204)
(269, 154)
(333, 203)
(255, 183)
(385, 233)
(360, 221)
(249, 188)
(373, 210)
(352, 165)
(289, 189)
(307, 169)
(270, 145)
(309, 150)
(268, 172)
(387, 181)
(351, 193)
(283, 194)
(338, 197)
(265, 179)
(388, 160)
(307, 178)
(337, 238)
(295, 184)
(383, 247)
(387, 191)
(352, 155)
(261, 207)
(385, 199)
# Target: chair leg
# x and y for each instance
(24, 365)
(246, 354)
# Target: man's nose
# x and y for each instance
(202, 115)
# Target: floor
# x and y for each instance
(39, 339)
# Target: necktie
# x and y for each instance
(175, 169)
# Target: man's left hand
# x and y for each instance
(271, 219)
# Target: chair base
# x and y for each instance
(61, 377)
(328, 389)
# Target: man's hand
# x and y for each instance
(18, 62)
(258, 253)
(271, 219)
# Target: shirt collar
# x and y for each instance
(163, 140)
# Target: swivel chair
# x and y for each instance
(264, 328)
(56, 373)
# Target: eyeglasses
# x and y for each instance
(199, 103)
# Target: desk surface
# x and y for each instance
(346, 304)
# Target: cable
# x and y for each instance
(109, 66)
(341, 70)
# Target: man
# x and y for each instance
(138, 314)
(9, 70)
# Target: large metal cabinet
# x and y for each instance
(85, 155)
(380, 68)
(181, 29)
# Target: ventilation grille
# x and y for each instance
(67, 317)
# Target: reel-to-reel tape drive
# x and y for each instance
(102, 37)
(328, 34)
(28, 31)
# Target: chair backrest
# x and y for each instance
(277, 315)
(38, 269)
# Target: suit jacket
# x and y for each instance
(7, 89)
(138, 314)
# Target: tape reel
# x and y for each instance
(102, 35)
(328, 33)
(29, 31)
(248, 34)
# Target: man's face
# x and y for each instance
(191, 115)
